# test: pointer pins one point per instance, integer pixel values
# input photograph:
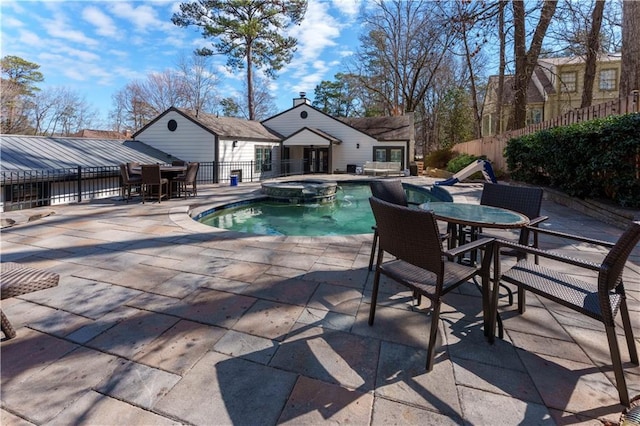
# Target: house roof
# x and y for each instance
(572, 60)
(224, 127)
(101, 134)
(330, 139)
(534, 93)
(382, 128)
(39, 152)
(231, 127)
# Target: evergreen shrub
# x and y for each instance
(594, 159)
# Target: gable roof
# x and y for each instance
(322, 136)
(224, 127)
(539, 86)
(39, 152)
(395, 128)
(380, 128)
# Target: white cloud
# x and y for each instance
(29, 38)
(81, 55)
(103, 23)
(350, 8)
(12, 22)
(144, 16)
(58, 28)
(316, 32)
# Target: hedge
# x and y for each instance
(597, 159)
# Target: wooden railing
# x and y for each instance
(493, 146)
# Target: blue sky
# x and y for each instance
(96, 47)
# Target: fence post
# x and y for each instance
(79, 183)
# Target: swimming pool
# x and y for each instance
(349, 214)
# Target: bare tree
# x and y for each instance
(264, 105)
(474, 22)
(61, 111)
(43, 105)
(502, 43)
(526, 59)
(404, 45)
(163, 90)
(132, 108)
(200, 83)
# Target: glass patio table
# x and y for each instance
(466, 221)
(474, 216)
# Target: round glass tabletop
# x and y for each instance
(476, 215)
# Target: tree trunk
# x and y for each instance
(630, 72)
(477, 116)
(526, 60)
(500, 127)
(593, 49)
(250, 106)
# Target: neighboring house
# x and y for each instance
(555, 89)
(36, 169)
(302, 139)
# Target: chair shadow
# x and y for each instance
(344, 366)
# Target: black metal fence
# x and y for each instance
(35, 188)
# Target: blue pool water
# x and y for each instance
(348, 214)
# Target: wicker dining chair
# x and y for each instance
(521, 199)
(134, 168)
(152, 178)
(16, 280)
(189, 178)
(128, 181)
(391, 191)
(600, 298)
(412, 237)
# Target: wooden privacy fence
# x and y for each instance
(492, 147)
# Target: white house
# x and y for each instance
(206, 138)
(328, 144)
(302, 139)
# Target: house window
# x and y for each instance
(534, 116)
(568, 81)
(608, 79)
(263, 159)
(383, 153)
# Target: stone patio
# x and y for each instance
(158, 319)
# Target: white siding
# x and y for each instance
(245, 152)
(347, 152)
(189, 142)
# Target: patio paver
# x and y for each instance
(160, 320)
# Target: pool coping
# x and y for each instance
(184, 216)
